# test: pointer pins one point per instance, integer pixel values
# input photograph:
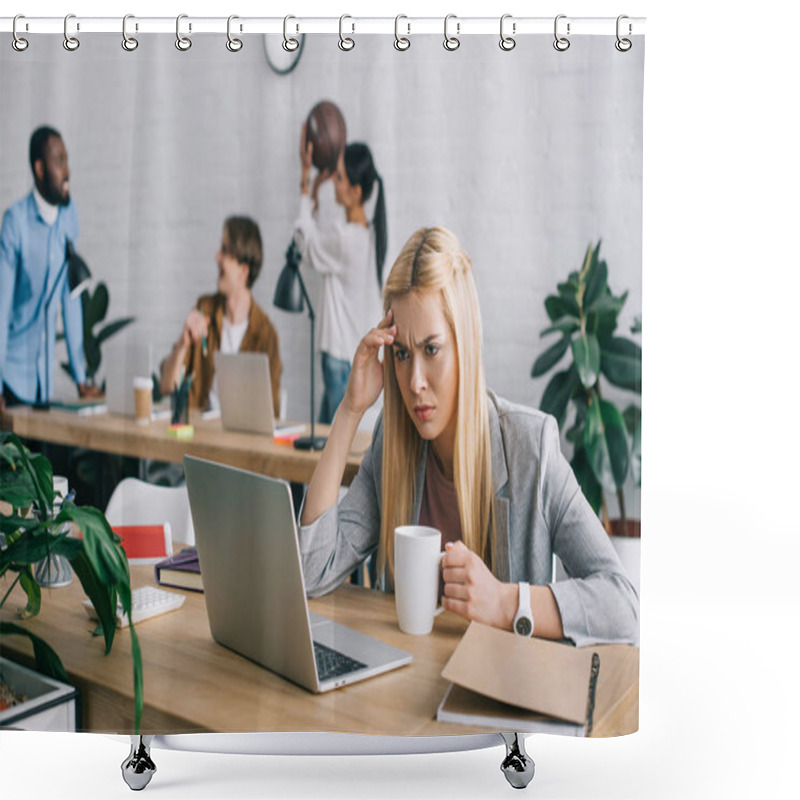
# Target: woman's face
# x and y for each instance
(232, 274)
(426, 365)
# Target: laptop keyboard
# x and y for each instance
(332, 663)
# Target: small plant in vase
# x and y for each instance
(606, 441)
(30, 532)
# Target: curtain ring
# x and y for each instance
(401, 43)
(129, 43)
(233, 44)
(451, 42)
(183, 43)
(623, 45)
(18, 43)
(345, 42)
(289, 44)
(561, 43)
(507, 42)
(71, 43)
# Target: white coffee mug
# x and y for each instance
(417, 558)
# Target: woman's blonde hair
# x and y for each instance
(433, 260)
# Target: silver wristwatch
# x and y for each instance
(523, 621)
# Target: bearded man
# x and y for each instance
(37, 233)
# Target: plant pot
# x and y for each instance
(50, 705)
(627, 541)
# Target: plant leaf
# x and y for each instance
(591, 489)
(633, 422)
(32, 590)
(621, 363)
(550, 357)
(47, 662)
(101, 544)
(557, 307)
(596, 280)
(617, 439)
(586, 352)
(557, 393)
(606, 443)
(565, 325)
(98, 305)
(607, 302)
(109, 330)
(103, 597)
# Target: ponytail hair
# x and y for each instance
(360, 170)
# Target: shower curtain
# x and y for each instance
(532, 156)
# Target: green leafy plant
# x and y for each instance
(95, 308)
(606, 441)
(29, 533)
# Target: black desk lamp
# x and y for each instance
(78, 279)
(289, 296)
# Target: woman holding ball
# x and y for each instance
(449, 454)
(349, 256)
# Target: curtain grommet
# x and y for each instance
(451, 43)
(19, 43)
(71, 43)
(561, 43)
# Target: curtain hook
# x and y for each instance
(71, 43)
(507, 42)
(183, 43)
(561, 43)
(129, 43)
(451, 42)
(401, 43)
(289, 44)
(623, 45)
(345, 42)
(18, 43)
(233, 44)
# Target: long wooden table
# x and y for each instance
(110, 433)
(192, 684)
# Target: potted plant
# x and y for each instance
(30, 532)
(95, 308)
(606, 441)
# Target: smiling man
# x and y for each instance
(228, 321)
(33, 244)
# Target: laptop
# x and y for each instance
(255, 596)
(245, 392)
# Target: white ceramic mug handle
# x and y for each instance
(439, 609)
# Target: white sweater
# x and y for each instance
(344, 255)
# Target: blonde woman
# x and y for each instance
(489, 474)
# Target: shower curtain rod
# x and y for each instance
(349, 25)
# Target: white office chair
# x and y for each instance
(135, 502)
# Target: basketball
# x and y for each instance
(326, 131)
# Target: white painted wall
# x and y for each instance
(528, 156)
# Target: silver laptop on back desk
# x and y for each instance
(253, 581)
(245, 392)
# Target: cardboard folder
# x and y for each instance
(582, 685)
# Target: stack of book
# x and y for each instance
(181, 570)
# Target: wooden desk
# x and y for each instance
(192, 684)
(109, 433)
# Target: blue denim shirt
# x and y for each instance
(31, 257)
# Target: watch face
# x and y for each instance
(524, 627)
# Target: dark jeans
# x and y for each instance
(335, 373)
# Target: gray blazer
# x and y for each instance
(539, 510)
